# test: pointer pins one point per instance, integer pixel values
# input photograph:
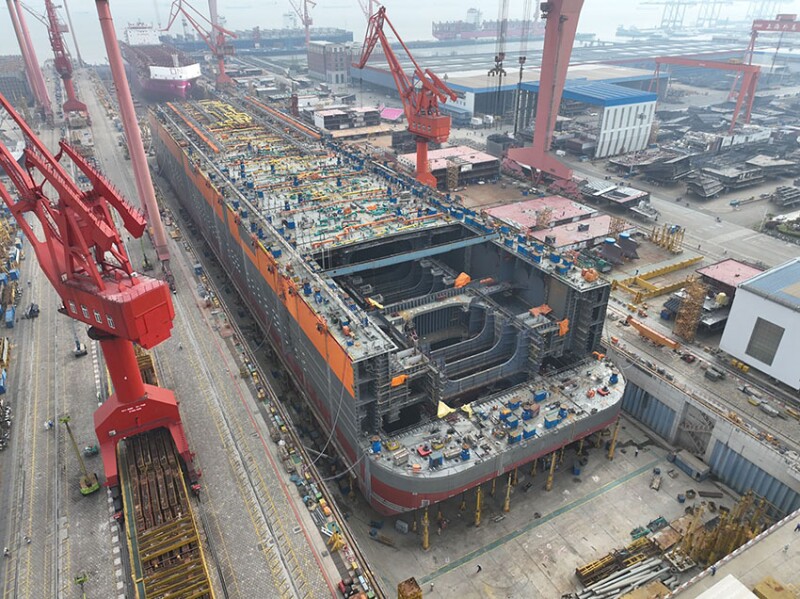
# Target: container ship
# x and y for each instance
(436, 348)
(474, 29)
(162, 72)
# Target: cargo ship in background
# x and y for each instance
(437, 348)
(161, 71)
(475, 28)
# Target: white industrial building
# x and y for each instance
(763, 329)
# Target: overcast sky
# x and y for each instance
(412, 18)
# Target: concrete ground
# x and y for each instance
(520, 554)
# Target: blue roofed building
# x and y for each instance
(614, 107)
(763, 329)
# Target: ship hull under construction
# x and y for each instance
(341, 390)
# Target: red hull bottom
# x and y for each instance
(165, 90)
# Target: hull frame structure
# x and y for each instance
(389, 490)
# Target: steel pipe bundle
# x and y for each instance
(628, 579)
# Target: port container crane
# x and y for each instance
(559, 35)
(63, 62)
(420, 104)
(81, 252)
(212, 33)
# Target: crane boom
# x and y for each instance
(420, 104)
(83, 257)
(63, 62)
(304, 15)
(213, 36)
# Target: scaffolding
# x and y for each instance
(691, 310)
(452, 175)
(707, 544)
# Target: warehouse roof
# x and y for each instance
(599, 93)
(729, 272)
(780, 284)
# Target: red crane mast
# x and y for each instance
(304, 15)
(83, 257)
(32, 68)
(783, 23)
(63, 63)
(559, 35)
(420, 104)
(212, 33)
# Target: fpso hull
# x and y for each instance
(321, 369)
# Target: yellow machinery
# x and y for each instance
(651, 334)
(640, 287)
(735, 528)
(669, 237)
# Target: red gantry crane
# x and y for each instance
(783, 23)
(63, 62)
(212, 33)
(421, 104)
(747, 92)
(559, 35)
(83, 257)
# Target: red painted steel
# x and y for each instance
(82, 254)
(559, 35)
(141, 170)
(304, 15)
(63, 63)
(421, 105)
(784, 23)
(214, 36)
(40, 88)
(24, 51)
(750, 74)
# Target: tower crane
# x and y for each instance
(304, 15)
(81, 252)
(420, 104)
(559, 35)
(368, 7)
(63, 62)
(212, 33)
